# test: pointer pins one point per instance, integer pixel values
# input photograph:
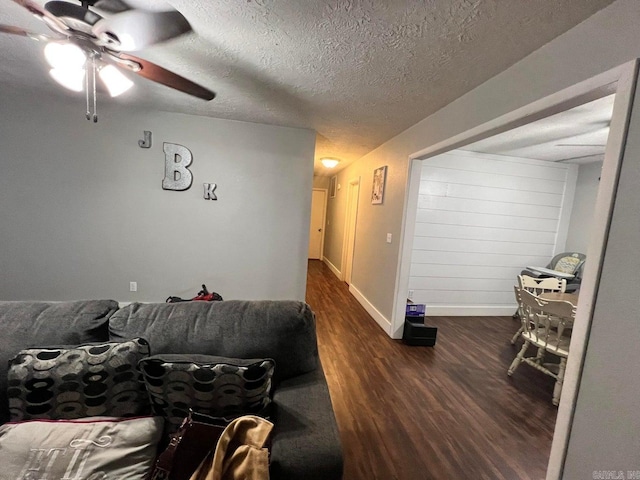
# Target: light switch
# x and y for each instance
(389, 236)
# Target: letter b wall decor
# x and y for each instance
(176, 174)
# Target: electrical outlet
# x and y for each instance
(133, 286)
(410, 295)
(389, 237)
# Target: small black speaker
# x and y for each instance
(417, 333)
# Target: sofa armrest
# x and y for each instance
(306, 444)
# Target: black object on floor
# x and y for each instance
(417, 333)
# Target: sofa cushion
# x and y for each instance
(29, 324)
(95, 448)
(283, 330)
(75, 382)
(217, 386)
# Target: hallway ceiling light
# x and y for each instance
(330, 162)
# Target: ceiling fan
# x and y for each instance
(86, 43)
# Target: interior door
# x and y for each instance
(316, 228)
(350, 232)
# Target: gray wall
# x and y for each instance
(583, 207)
(83, 212)
(320, 182)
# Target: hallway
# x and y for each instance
(443, 412)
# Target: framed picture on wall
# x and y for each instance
(332, 186)
(379, 177)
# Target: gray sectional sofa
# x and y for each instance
(305, 442)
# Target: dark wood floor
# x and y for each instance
(443, 412)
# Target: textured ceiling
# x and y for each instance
(356, 71)
(578, 135)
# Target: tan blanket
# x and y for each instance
(240, 453)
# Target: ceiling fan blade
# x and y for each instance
(156, 73)
(50, 19)
(10, 29)
(13, 30)
(136, 29)
(580, 145)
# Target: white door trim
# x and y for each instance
(407, 233)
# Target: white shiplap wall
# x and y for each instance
(481, 219)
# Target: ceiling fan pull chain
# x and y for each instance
(91, 89)
(86, 89)
(95, 104)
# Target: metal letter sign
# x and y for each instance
(176, 174)
(146, 143)
(209, 191)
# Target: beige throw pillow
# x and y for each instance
(96, 448)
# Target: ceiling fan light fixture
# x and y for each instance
(114, 80)
(90, 41)
(330, 162)
(64, 56)
(71, 78)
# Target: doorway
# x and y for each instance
(353, 193)
(316, 227)
(621, 81)
(488, 210)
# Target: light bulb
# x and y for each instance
(64, 55)
(114, 80)
(330, 162)
(71, 78)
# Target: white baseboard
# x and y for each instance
(469, 311)
(380, 319)
(333, 268)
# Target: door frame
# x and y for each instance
(621, 81)
(324, 217)
(349, 231)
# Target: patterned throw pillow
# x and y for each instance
(89, 448)
(216, 386)
(75, 382)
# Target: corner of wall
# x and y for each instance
(380, 319)
(333, 268)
